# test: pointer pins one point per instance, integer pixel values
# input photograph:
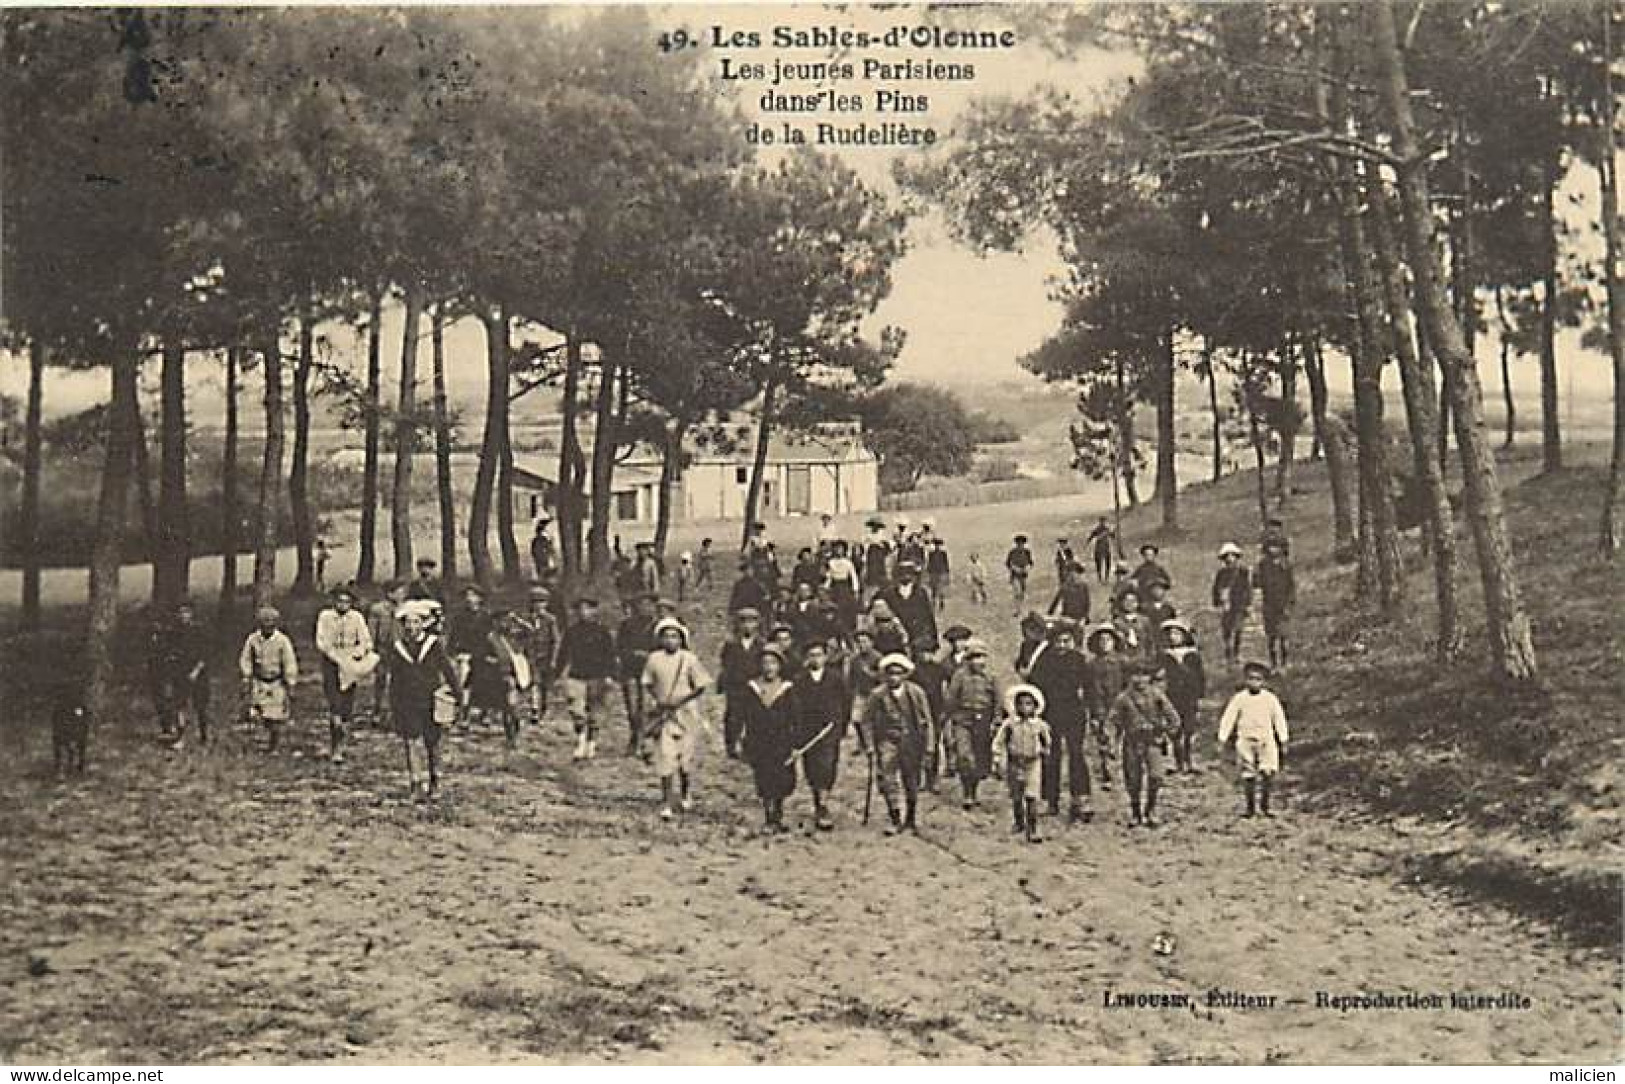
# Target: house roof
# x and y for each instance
(539, 471)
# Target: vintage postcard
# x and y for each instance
(841, 534)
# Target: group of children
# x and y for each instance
(851, 644)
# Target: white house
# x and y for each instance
(807, 474)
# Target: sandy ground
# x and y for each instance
(221, 906)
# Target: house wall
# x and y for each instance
(712, 491)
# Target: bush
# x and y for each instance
(998, 469)
(986, 428)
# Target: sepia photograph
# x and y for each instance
(843, 534)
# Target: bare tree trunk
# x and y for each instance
(172, 559)
(1417, 382)
(304, 530)
(1125, 446)
(372, 420)
(1213, 407)
(146, 503)
(513, 568)
(1507, 400)
(1379, 536)
(229, 514)
(28, 527)
(1370, 432)
(1167, 463)
(605, 440)
(671, 467)
(1289, 424)
(1117, 495)
(106, 555)
(485, 475)
(1551, 429)
(1256, 432)
(400, 500)
(758, 464)
(567, 497)
(442, 446)
(1507, 623)
(1333, 440)
(269, 515)
(1612, 534)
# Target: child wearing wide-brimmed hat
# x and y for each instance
(1256, 721)
(1232, 596)
(898, 727)
(673, 680)
(1185, 679)
(1020, 745)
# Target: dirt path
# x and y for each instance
(219, 908)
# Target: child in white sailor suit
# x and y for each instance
(1257, 721)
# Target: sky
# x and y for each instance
(969, 318)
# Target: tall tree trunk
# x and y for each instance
(485, 475)
(1213, 407)
(1256, 432)
(1612, 534)
(671, 468)
(269, 514)
(1125, 445)
(372, 419)
(304, 530)
(1117, 493)
(513, 567)
(1511, 642)
(146, 502)
(1333, 440)
(1551, 430)
(1508, 403)
(1167, 464)
(400, 498)
(567, 497)
(1289, 424)
(172, 562)
(1377, 520)
(442, 446)
(28, 527)
(1462, 276)
(1416, 380)
(602, 495)
(229, 513)
(1370, 431)
(106, 555)
(758, 463)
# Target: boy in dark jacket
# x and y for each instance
(1019, 563)
(587, 666)
(181, 671)
(1061, 674)
(1278, 592)
(823, 709)
(634, 641)
(1108, 674)
(739, 657)
(1185, 680)
(1142, 721)
(1071, 599)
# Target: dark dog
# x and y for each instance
(70, 734)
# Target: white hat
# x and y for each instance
(671, 623)
(896, 659)
(1229, 549)
(426, 608)
(1023, 689)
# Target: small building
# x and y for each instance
(830, 470)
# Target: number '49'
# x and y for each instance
(672, 40)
